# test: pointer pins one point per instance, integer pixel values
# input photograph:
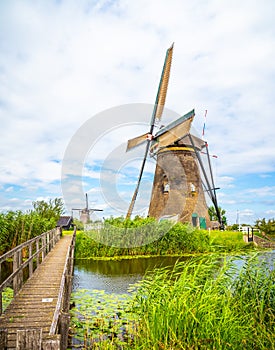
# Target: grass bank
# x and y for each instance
(204, 303)
(155, 239)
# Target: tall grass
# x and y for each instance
(204, 303)
(152, 238)
(205, 306)
(18, 227)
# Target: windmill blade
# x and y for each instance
(136, 141)
(157, 113)
(174, 131)
(198, 143)
(87, 204)
(131, 206)
(163, 86)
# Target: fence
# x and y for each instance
(35, 251)
(61, 319)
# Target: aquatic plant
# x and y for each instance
(203, 303)
(101, 320)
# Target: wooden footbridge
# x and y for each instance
(38, 316)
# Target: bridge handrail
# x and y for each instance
(11, 252)
(62, 305)
(48, 240)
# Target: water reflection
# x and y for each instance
(115, 276)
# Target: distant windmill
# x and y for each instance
(84, 213)
(179, 185)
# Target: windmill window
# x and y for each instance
(166, 187)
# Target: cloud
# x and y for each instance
(63, 62)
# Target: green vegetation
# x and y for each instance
(7, 297)
(101, 319)
(206, 306)
(163, 238)
(18, 227)
(268, 227)
(213, 215)
(204, 303)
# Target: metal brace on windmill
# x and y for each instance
(181, 178)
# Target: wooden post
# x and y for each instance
(15, 267)
(31, 262)
(29, 339)
(64, 329)
(44, 240)
(1, 305)
(67, 293)
(20, 273)
(48, 242)
(37, 256)
(3, 338)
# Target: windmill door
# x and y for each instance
(195, 219)
(203, 223)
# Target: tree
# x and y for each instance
(49, 210)
(213, 214)
(267, 227)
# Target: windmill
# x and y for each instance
(181, 179)
(84, 213)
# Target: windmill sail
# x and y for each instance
(163, 86)
(174, 131)
(159, 103)
(157, 113)
(136, 141)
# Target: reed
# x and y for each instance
(207, 304)
(204, 303)
(153, 238)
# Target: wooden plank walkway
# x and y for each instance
(34, 305)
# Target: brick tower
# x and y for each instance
(177, 189)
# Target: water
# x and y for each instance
(115, 276)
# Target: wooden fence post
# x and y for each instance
(37, 249)
(15, 264)
(64, 329)
(20, 273)
(1, 303)
(45, 250)
(3, 338)
(31, 262)
(29, 339)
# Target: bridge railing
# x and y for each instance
(61, 318)
(33, 250)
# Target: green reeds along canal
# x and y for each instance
(208, 302)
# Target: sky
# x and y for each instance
(79, 78)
